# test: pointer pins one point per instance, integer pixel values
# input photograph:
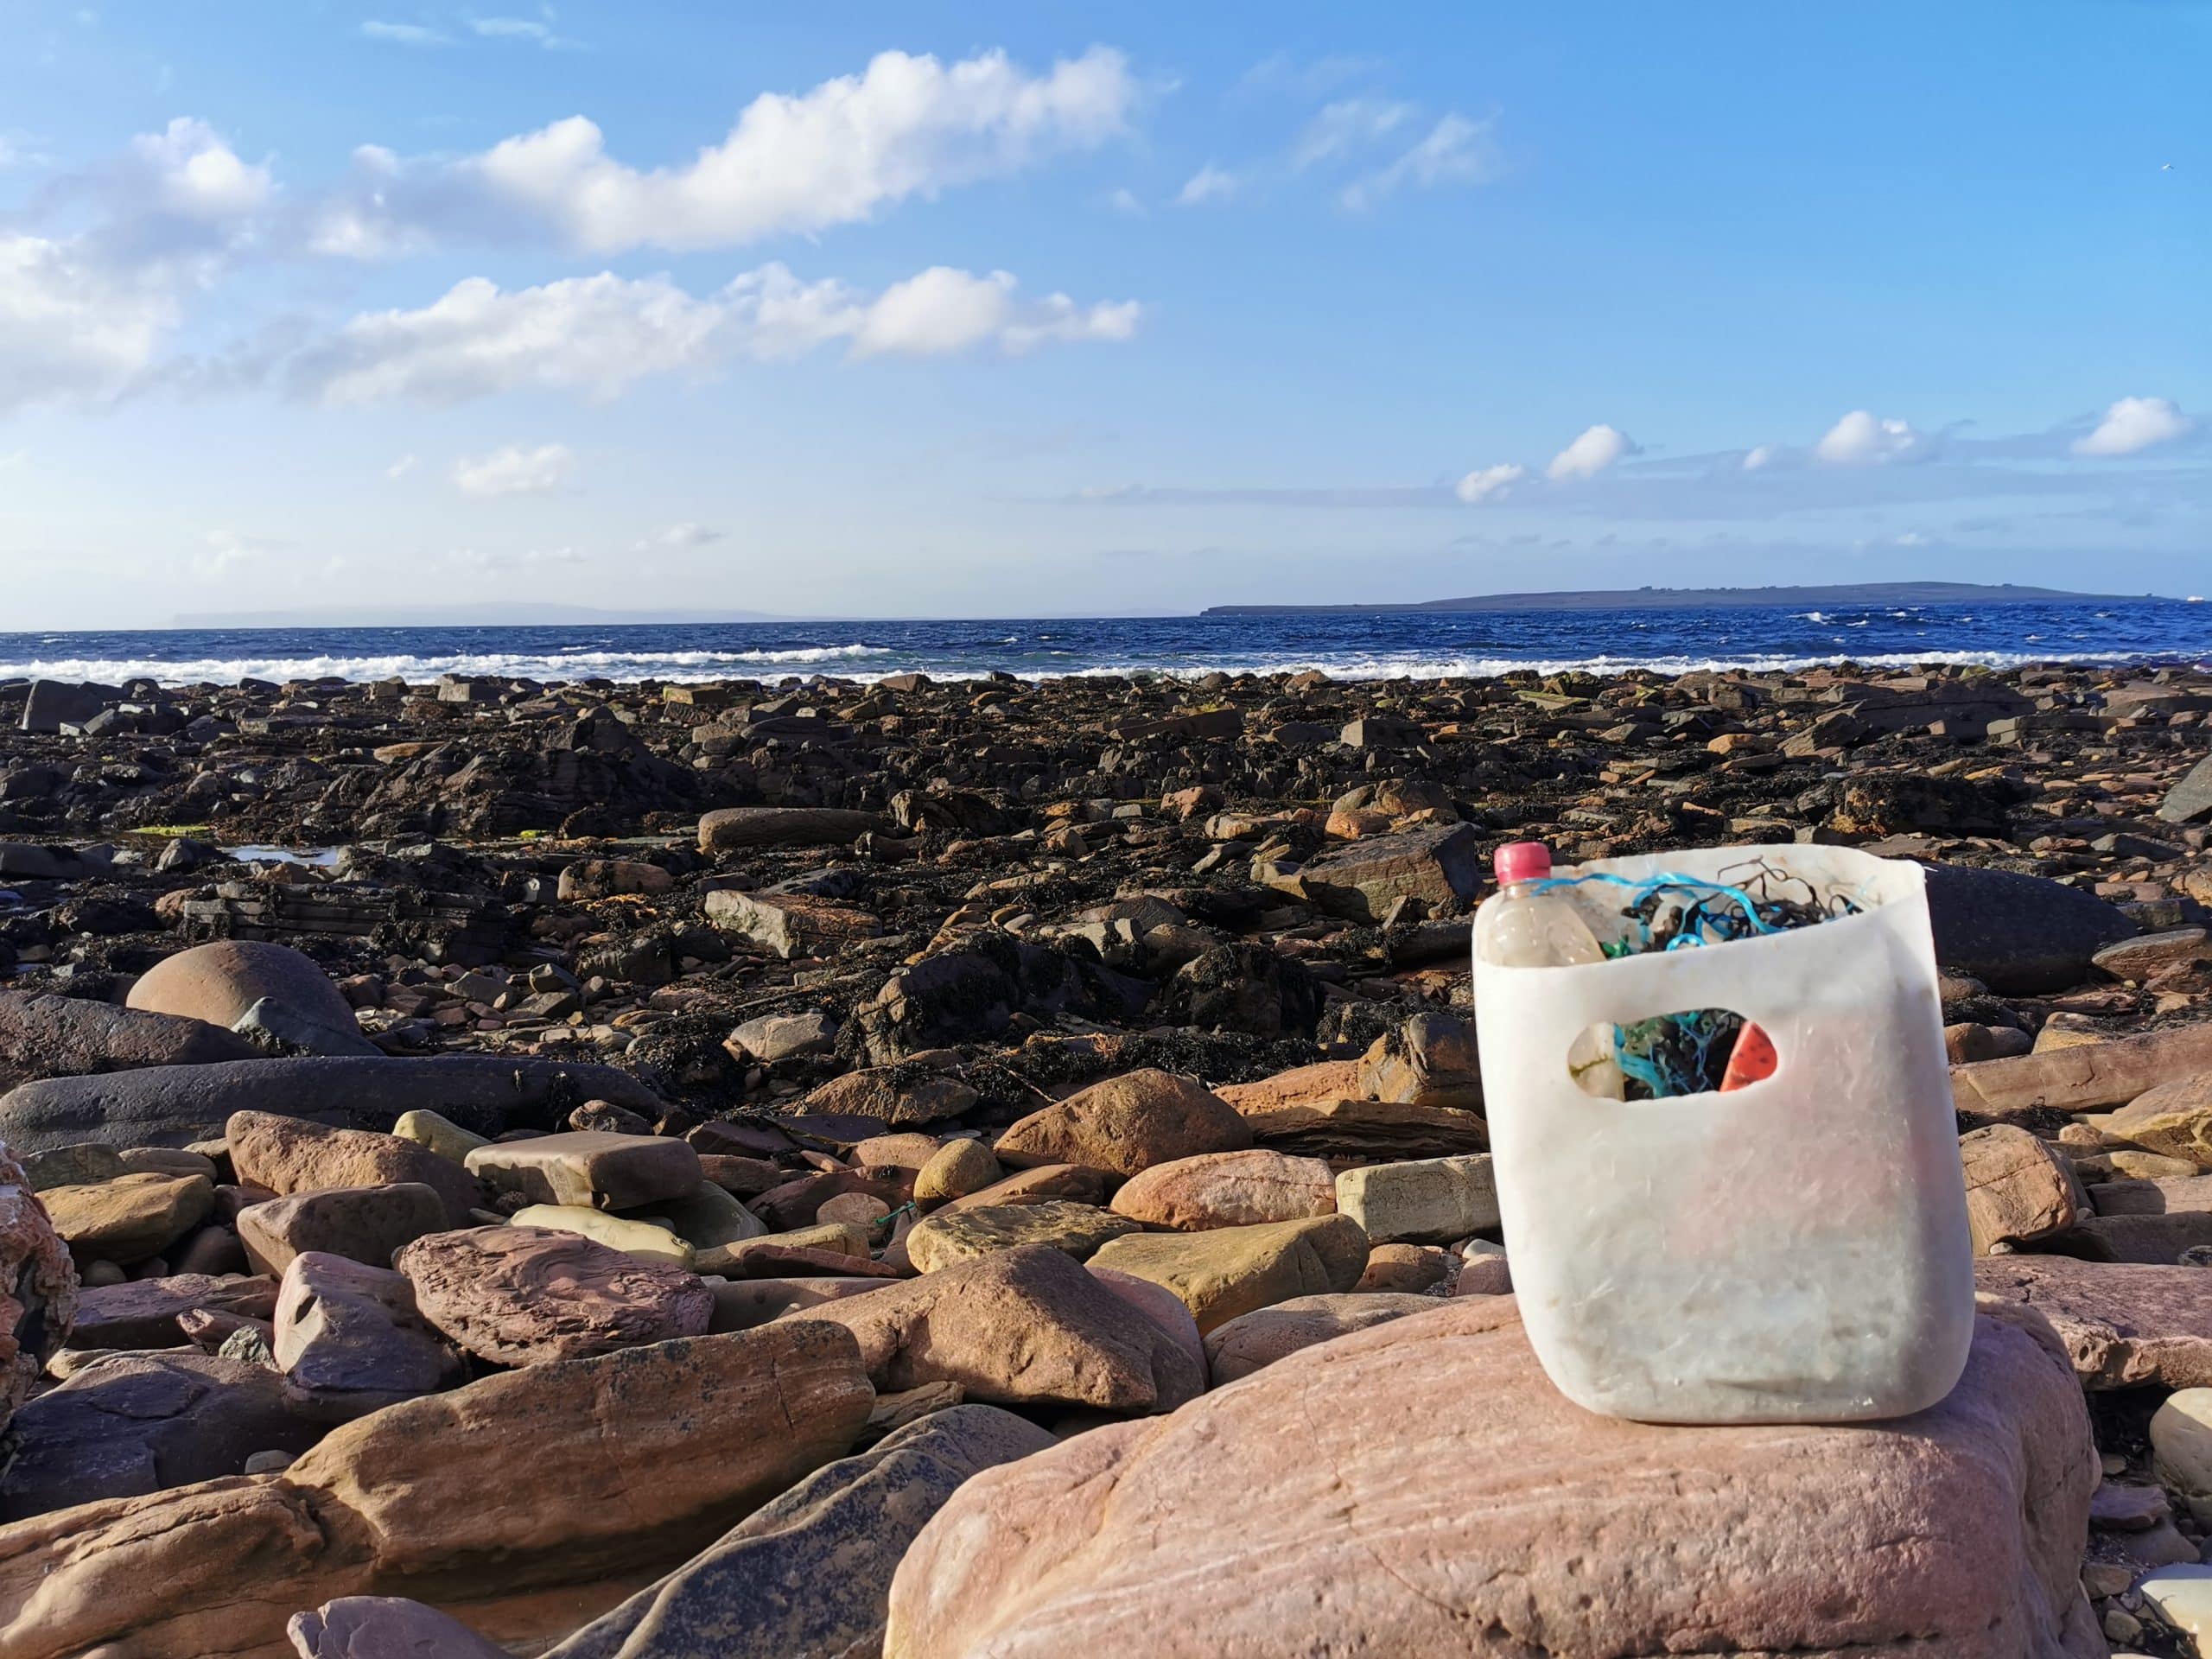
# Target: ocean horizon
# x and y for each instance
(1346, 645)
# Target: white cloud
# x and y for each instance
(405, 34)
(1124, 200)
(1860, 439)
(520, 28)
(1348, 124)
(680, 537)
(1208, 183)
(1490, 483)
(515, 471)
(71, 328)
(1762, 455)
(222, 551)
(597, 335)
(1598, 448)
(1455, 151)
(2134, 424)
(400, 469)
(907, 126)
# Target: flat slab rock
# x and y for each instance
(522, 1296)
(2122, 1323)
(1439, 1497)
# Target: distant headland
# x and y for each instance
(1842, 595)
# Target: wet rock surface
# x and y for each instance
(976, 1046)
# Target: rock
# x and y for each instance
(1430, 1199)
(808, 1576)
(291, 1155)
(604, 878)
(1228, 1189)
(2181, 1445)
(1410, 1268)
(362, 1223)
(219, 982)
(385, 1627)
(740, 1303)
(38, 1288)
(175, 1105)
(1483, 1273)
(144, 1313)
(892, 1094)
(1126, 1124)
(45, 1036)
(1428, 1061)
(2174, 1118)
(710, 1217)
(2019, 1188)
(2123, 1324)
(640, 1239)
(1316, 1111)
(1246, 988)
(85, 1164)
(1233, 1270)
(2181, 1595)
(448, 1140)
(952, 1237)
(350, 1340)
(1026, 1326)
(2190, 801)
(2019, 935)
(600, 1171)
(1759, 1542)
(2137, 959)
(2158, 1240)
(128, 1424)
(2153, 1197)
(130, 1217)
(520, 1296)
(52, 704)
(777, 1037)
(27, 862)
(1439, 864)
(1047, 1181)
(957, 1169)
(480, 1498)
(739, 829)
(787, 925)
(2083, 1079)
(274, 1028)
(1245, 1344)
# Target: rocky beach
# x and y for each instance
(804, 1167)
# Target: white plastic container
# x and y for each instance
(1795, 1250)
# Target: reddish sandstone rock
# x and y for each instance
(1126, 1124)
(1440, 1497)
(525, 1503)
(2019, 1188)
(2122, 1325)
(1228, 1189)
(522, 1296)
(290, 1155)
(218, 981)
(38, 1287)
(1026, 1326)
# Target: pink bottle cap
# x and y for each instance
(1521, 860)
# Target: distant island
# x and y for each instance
(1842, 596)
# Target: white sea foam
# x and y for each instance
(676, 665)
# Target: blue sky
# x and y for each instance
(1020, 310)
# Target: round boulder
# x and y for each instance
(218, 981)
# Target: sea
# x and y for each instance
(1369, 646)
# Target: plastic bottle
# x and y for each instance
(1520, 927)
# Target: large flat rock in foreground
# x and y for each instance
(174, 1105)
(1420, 1489)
